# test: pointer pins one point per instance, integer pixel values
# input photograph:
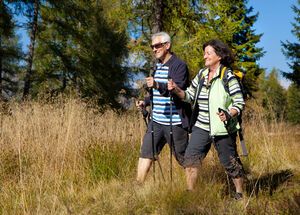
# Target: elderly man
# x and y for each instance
(168, 66)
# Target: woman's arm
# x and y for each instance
(172, 86)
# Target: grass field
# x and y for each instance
(65, 157)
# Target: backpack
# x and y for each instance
(239, 76)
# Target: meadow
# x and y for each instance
(66, 157)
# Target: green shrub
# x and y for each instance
(112, 161)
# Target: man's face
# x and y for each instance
(160, 48)
(210, 57)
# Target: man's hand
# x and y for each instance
(151, 82)
(140, 105)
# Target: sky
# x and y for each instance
(275, 22)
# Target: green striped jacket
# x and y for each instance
(213, 96)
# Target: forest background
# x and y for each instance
(82, 66)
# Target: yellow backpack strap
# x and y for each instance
(238, 74)
(223, 72)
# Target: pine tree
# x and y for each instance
(80, 47)
(293, 103)
(33, 26)
(232, 22)
(180, 18)
(10, 54)
(274, 96)
(191, 23)
(291, 50)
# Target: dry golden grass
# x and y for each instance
(65, 157)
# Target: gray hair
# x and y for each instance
(166, 37)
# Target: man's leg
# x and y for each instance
(191, 177)
(180, 141)
(147, 154)
(143, 169)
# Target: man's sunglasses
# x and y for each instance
(158, 45)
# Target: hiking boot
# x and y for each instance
(238, 196)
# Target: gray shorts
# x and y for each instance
(161, 135)
(200, 144)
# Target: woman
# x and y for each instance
(209, 127)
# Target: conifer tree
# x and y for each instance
(232, 22)
(10, 54)
(291, 50)
(81, 48)
(292, 53)
(191, 23)
(293, 104)
(274, 96)
(33, 8)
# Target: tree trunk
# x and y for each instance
(157, 25)
(28, 77)
(1, 87)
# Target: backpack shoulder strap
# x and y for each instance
(224, 78)
(223, 73)
(199, 87)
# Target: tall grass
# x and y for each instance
(65, 157)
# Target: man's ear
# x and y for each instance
(168, 46)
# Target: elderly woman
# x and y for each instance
(217, 107)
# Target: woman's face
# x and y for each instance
(210, 57)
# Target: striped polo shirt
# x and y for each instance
(161, 104)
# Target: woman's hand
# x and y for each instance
(171, 85)
(222, 116)
(226, 115)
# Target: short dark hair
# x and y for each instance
(222, 50)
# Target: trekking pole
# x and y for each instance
(145, 115)
(152, 135)
(152, 131)
(171, 137)
(242, 142)
(240, 133)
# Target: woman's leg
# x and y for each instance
(197, 149)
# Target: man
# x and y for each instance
(168, 66)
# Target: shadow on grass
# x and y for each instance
(268, 182)
(265, 183)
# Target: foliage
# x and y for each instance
(116, 161)
(79, 48)
(191, 23)
(10, 54)
(293, 101)
(291, 50)
(274, 96)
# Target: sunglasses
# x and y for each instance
(158, 45)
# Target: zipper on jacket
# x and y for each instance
(209, 109)
(209, 89)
